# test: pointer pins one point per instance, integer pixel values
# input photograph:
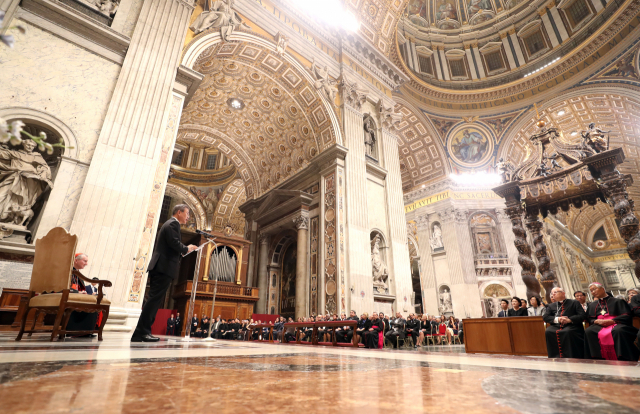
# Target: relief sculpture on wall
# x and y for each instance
(218, 14)
(380, 271)
(24, 175)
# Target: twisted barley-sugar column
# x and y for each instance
(614, 187)
(514, 211)
(548, 276)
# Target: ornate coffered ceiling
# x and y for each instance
(378, 20)
(422, 157)
(577, 53)
(227, 212)
(284, 122)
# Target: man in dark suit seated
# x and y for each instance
(565, 332)
(194, 324)
(504, 313)
(163, 269)
(397, 330)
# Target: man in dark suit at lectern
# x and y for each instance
(163, 268)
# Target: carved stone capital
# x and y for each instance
(447, 215)
(461, 216)
(263, 238)
(422, 222)
(302, 222)
(352, 94)
(388, 117)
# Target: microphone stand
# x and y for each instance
(215, 290)
(194, 288)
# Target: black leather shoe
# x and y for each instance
(144, 338)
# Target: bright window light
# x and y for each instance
(330, 12)
(540, 68)
(561, 112)
(479, 179)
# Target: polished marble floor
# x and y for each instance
(172, 376)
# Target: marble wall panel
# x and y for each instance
(62, 80)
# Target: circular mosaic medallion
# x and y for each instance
(470, 146)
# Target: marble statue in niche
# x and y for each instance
(380, 271)
(24, 175)
(436, 238)
(370, 138)
(445, 300)
(323, 81)
(218, 14)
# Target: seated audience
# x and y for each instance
(631, 293)
(215, 327)
(372, 336)
(536, 308)
(611, 333)
(504, 304)
(582, 298)
(565, 333)
(523, 304)
(413, 329)
(397, 330)
(425, 329)
(517, 310)
(344, 334)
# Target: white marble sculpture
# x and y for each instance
(370, 136)
(380, 271)
(108, 7)
(436, 238)
(445, 301)
(218, 14)
(24, 175)
(323, 81)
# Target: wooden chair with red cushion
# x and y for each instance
(49, 290)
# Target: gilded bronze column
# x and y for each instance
(547, 276)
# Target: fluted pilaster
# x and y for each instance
(359, 273)
(427, 271)
(124, 182)
(396, 218)
(263, 274)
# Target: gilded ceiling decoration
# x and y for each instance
(617, 113)
(422, 158)
(227, 212)
(281, 127)
(581, 49)
(378, 20)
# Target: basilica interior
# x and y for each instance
(414, 158)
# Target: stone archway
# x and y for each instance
(283, 121)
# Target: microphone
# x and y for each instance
(210, 236)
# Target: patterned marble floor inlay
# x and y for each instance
(239, 377)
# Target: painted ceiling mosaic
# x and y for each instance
(283, 123)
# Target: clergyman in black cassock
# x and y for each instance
(372, 336)
(565, 337)
(635, 308)
(605, 339)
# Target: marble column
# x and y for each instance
(253, 237)
(359, 269)
(509, 240)
(127, 174)
(400, 261)
(302, 273)
(263, 275)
